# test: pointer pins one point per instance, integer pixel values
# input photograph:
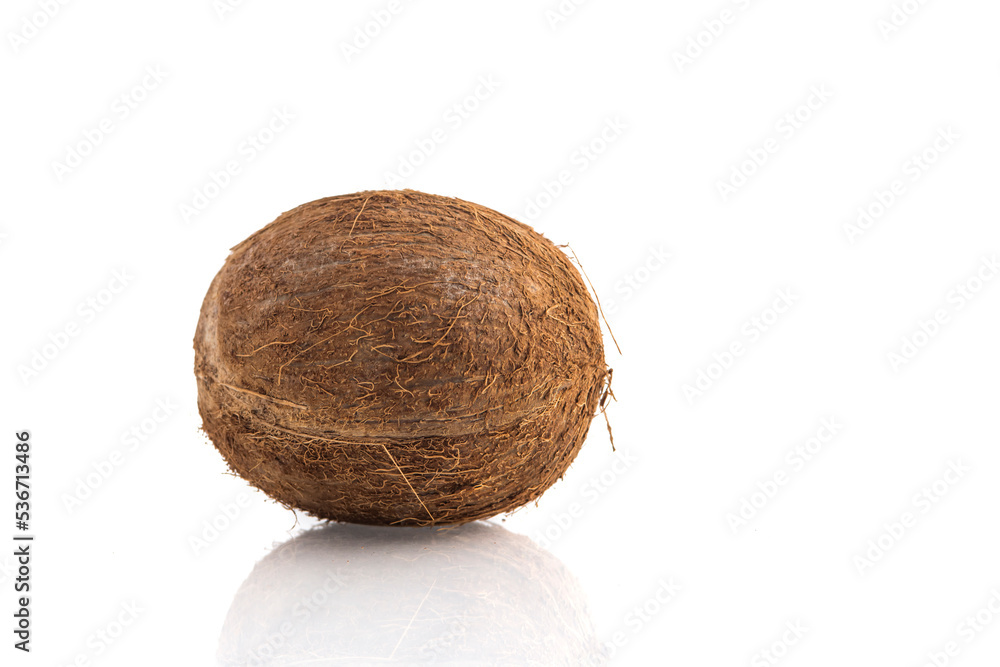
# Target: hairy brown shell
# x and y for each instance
(394, 357)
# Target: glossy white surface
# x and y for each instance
(634, 551)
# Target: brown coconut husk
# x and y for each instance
(364, 595)
(394, 357)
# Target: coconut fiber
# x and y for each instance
(398, 358)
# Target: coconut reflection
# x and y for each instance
(361, 595)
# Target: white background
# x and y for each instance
(663, 512)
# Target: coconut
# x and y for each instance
(367, 595)
(398, 358)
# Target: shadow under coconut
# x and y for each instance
(361, 595)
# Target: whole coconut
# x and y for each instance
(398, 358)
